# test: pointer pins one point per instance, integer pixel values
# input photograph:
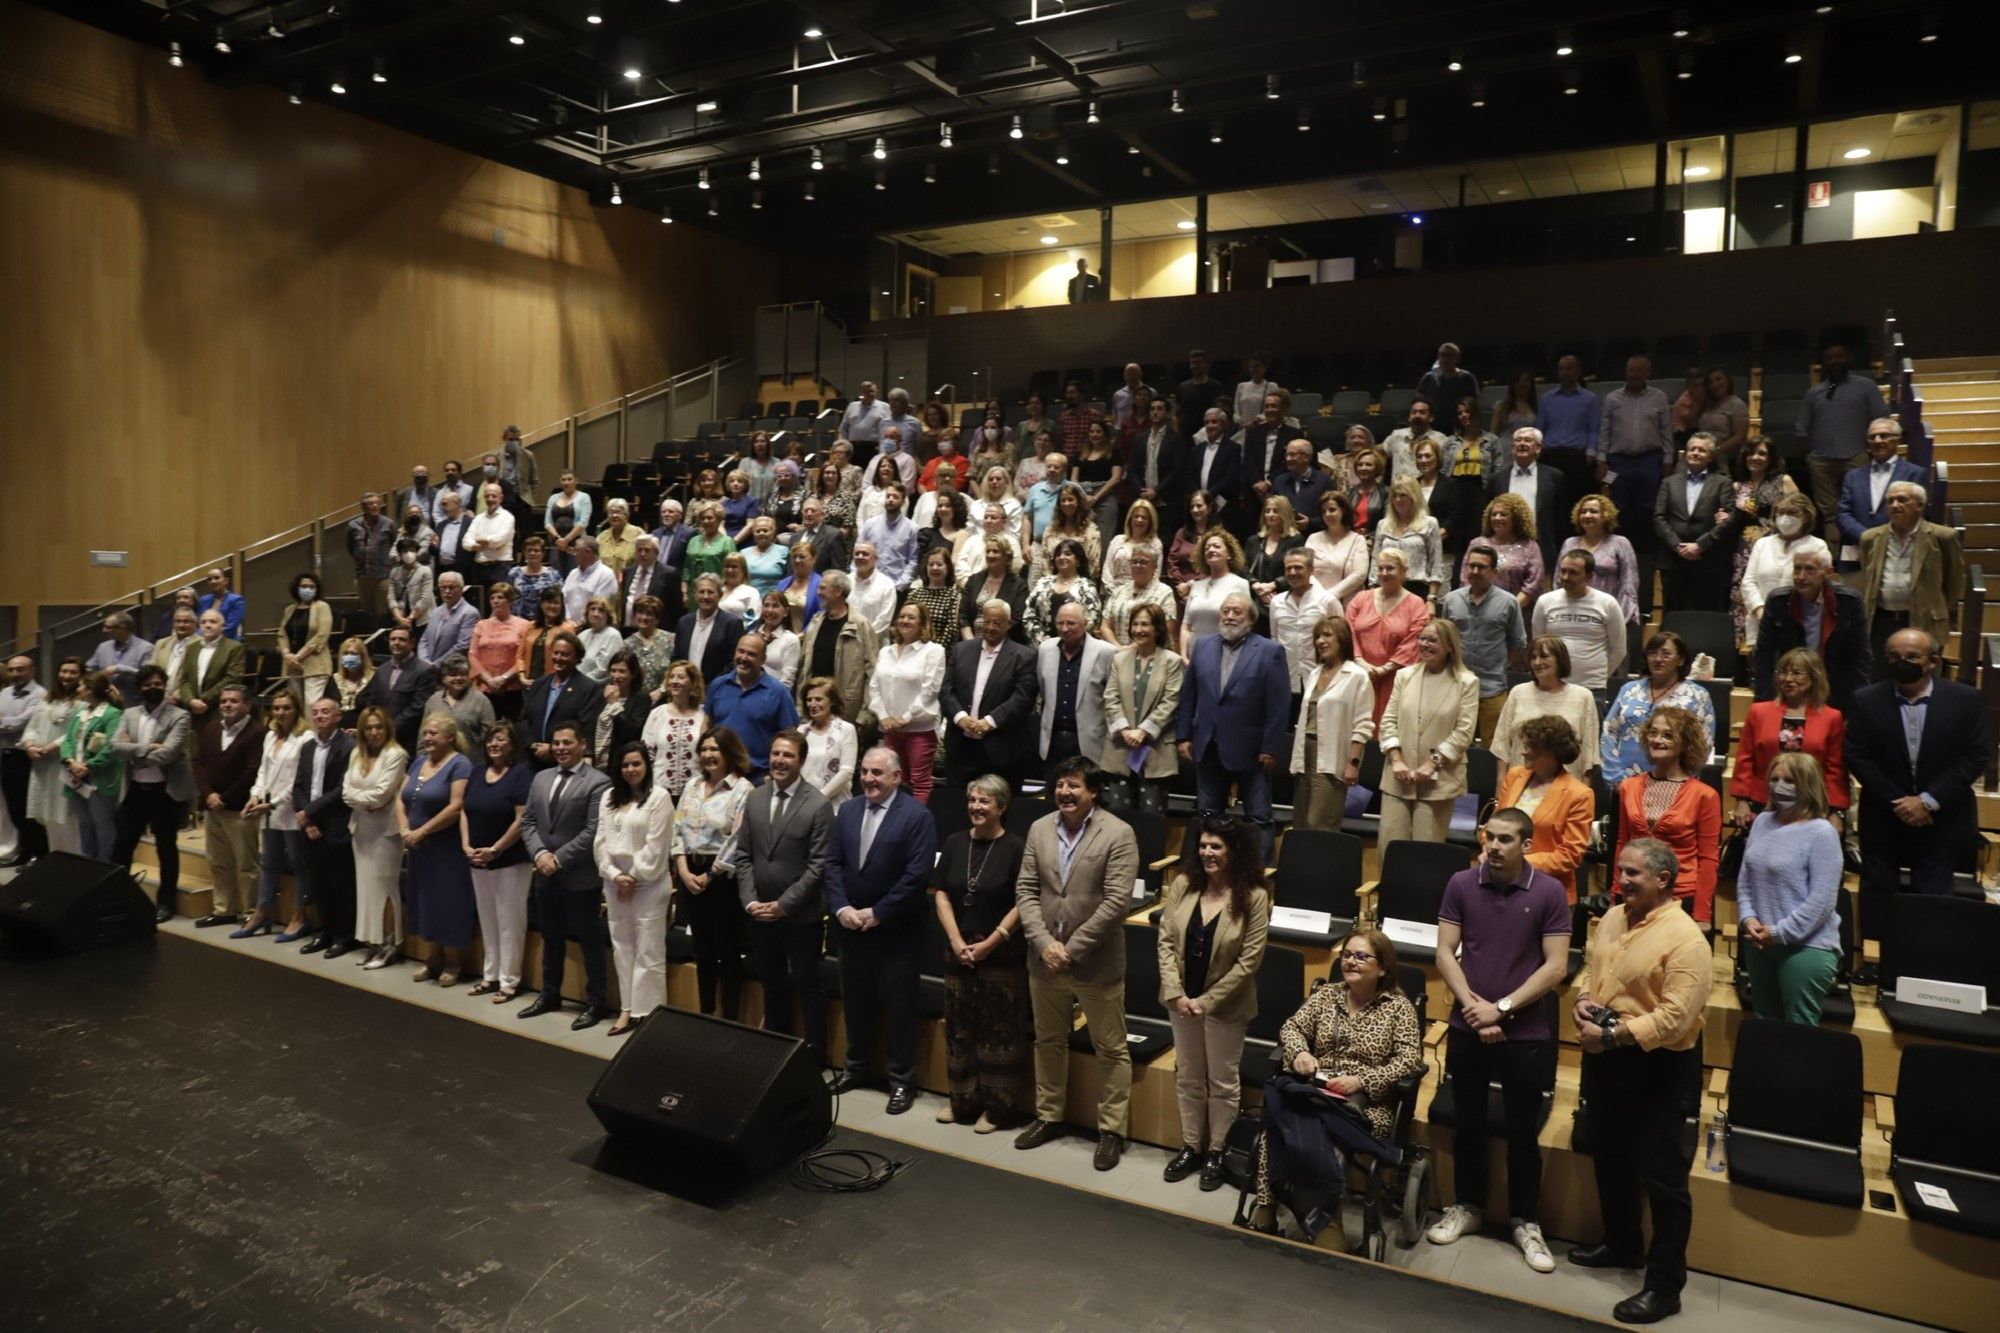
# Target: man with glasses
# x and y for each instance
(1823, 614)
(1864, 493)
(1912, 572)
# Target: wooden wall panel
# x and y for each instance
(225, 314)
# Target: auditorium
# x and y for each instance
(683, 661)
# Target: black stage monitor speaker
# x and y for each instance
(715, 1102)
(66, 902)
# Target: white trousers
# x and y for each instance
(378, 871)
(639, 943)
(502, 896)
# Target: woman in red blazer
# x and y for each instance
(1560, 803)
(1671, 802)
(1803, 690)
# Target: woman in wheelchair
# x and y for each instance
(1361, 1034)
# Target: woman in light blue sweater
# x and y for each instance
(1787, 893)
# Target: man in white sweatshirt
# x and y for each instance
(1587, 620)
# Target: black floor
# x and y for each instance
(194, 1140)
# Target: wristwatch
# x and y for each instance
(1505, 1004)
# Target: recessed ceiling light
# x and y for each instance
(516, 39)
(1698, 171)
(813, 33)
(1185, 224)
(881, 150)
(704, 108)
(818, 162)
(1015, 131)
(1681, 34)
(1503, 193)
(1793, 57)
(1631, 240)
(1048, 240)
(633, 72)
(596, 18)
(1856, 154)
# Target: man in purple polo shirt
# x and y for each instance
(1513, 922)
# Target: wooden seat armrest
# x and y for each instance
(1871, 951)
(1434, 1036)
(1885, 1113)
(1164, 862)
(1718, 1083)
(1368, 890)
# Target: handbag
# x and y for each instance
(1731, 863)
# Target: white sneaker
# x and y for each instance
(1457, 1220)
(1528, 1236)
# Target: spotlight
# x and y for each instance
(1090, 115)
(1456, 63)
(809, 189)
(1360, 74)
(1177, 108)
(1305, 119)
(712, 209)
(757, 198)
(1564, 45)
(1822, 10)
(295, 98)
(993, 164)
(1479, 93)
(1793, 57)
(337, 88)
(1687, 66)
(1381, 111)
(1271, 87)
(1185, 224)
(1132, 149)
(756, 168)
(1696, 173)
(1856, 154)
(818, 162)
(813, 33)
(272, 29)
(881, 150)
(1062, 153)
(517, 39)
(1048, 240)
(380, 75)
(944, 134)
(667, 214)
(221, 42)
(616, 198)
(174, 55)
(703, 108)
(702, 182)
(930, 173)
(595, 18)
(1015, 131)
(1416, 219)
(881, 181)
(1570, 84)
(633, 72)
(1215, 131)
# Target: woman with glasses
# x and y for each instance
(1622, 746)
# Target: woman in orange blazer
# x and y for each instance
(1670, 802)
(1802, 693)
(1559, 802)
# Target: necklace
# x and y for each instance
(973, 873)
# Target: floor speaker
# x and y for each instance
(713, 1102)
(65, 903)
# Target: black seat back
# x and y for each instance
(1142, 972)
(1711, 632)
(1281, 986)
(1413, 878)
(1319, 872)
(1939, 938)
(1803, 1082)
(1947, 1102)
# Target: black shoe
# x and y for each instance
(162, 915)
(1211, 1172)
(591, 1016)
(541, 1004)
(338, 949)
(844, 1081)
(317, 944)
(1648, 1307)
(1184, 1164)
(1036, 1134)
(1110, 1147)
(216, 919)
(1603, 1256)
(901, 1098)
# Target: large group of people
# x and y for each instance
(743, 717)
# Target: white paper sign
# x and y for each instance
(1411, 932)
(1297, 918)
(1936, 1197)
(1958, 996)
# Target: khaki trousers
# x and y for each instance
(1320, 799)
(231, 843)
(1208, 1076)
(1489, 717)
(1404, 820)
(1103, 1003)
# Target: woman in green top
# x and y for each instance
(93, 774)
(707, 547)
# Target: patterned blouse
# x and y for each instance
(672, 739)
(1046, 599)
(528, 588)
(655, 655)
(1118, 607)
(943, 604)
(705, 823)
(1520, 567)
(1379, 1045)
(1623, 749)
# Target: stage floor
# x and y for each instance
(196, 1139)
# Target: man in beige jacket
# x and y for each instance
(1074, 891)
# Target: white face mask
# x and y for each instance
(1789, 524)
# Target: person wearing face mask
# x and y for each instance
(1786, 895)
(518, 467)
(369, 538)
(159, 783)
(303, 633)
(412, 587)
(1769, 568)
(419, 495)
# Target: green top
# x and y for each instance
(704, 556)
(89, 738)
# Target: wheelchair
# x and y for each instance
(1391, 1182)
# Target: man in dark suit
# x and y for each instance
(1541, 486)
(988, 699)
(1864, 492)
(227, 753)
(419, 492)
(1301, 484)
(673, 535)
(705, 636)
(1085, 286)
(329, 846)
(559, 829)
(779, 861)
(1820, 613)
(1236, 698)
(1214, 463)
(1158, 465)
(829, 543)
(1694, 517)
(454, 556)
(1264, 442)
(564, 695)
(1917, 742)
(884, 845)
(400, 687)
(647, 577)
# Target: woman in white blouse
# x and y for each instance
(833, 747)
(1221, 565)
(1410, 528)
(739, 594)
(373, 782)
(1142, 531)
(600, 641)
(993, 524)
(1550, 694)
(705, 825)
(1426, 730)
(903, 695)
(882, 475)
(781, 641)
(1769, 568)
(271, 796)
(996, 491)
(1340, 555)
(1336, 722)
(635, 831)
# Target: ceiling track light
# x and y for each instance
(1305, 119)
(756, 168)
(594, 18)
(1360, 77)
(295, 97)
(1090, 113)
(813, 33)
(881, 150)
(1132, 149)
(818, 161)
(809, 189)
(881, 180)
(701, 182)
(616, 198)
(667, 214)
(1062, 153)
(174, 55)
(336, 87)
(993, 164)
(1793, 55)
(757, 198)
(1686, 71)
(1271, 87)
(1570, 83)
(1457, 61)
(1381, 111)
(271, 28)
(517, 39)
(712, 209)
(1215, 131)
(1683, 26)
(944, 134)
(1565, 45)
(634, 73)
(930, 173)
(1177, 108)
(381, 74)
(221, 42)
(1014, 131)
(1479, 93)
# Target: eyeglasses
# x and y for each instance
(1356, 956)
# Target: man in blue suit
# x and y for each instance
(877, 870)
(1214, 462)
(1235, 702)
(1864, 492)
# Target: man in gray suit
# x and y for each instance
(1073, 668)
(559, 829)
(159, 780)
(778, 859)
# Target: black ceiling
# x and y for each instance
(1370, 80)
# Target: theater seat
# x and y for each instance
(1148, 1035)
(1940, 938)
(1281, 986)
(1412, 886)
(1318, 872)
(1584, 1127)
(1947, 1103)
(1794, 1124)
(1444, 1105)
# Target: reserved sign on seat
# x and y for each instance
(1298, 918)
(1411, 932)
(1961, 996)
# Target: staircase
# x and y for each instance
(1961, 397)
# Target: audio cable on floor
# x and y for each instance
(844, 1170)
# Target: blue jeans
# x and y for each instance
(282, 852)
(97, 822)
(1211, 797)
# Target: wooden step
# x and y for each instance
(1955, 391)
(1981, 418)
(1958, 367)
(1974, 492)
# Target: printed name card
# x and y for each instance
(1411, 932)
(1959, 996)
(1297, 918)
